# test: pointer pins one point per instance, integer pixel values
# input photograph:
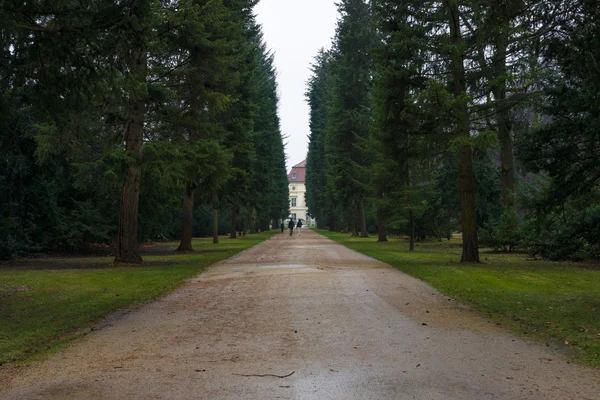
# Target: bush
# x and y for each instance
(503, 234)
(572, 234)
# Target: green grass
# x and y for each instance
(556, 302)
(45, 302)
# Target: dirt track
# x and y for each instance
(349, 327)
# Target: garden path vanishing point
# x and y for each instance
(343, 325)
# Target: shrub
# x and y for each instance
(504, 233)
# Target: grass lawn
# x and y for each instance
(557, 302)
(44, 302)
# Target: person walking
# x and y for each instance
(291, 225)
(282, 226)
(299, 227)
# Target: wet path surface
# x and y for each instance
(347, 326)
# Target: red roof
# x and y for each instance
(300, 171)
(301, 165)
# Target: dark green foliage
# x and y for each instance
(348, 121)
(503, 234)
(565, 145)
(319, 202)
(417, 107)
(269, 185)
(69, 95)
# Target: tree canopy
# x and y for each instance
(114, 114)
(469, 116)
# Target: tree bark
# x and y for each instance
(215, 221)
(247, 225)
(503, 118)
(381, 236)
(363, 219)
(233, 234)
(127, 240)
(466, 179)
(411, 230)
(411, 216)
(187, 226)
(354, 228)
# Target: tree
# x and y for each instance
(269, 185)
(396, 133)
(317, 196)
(466, 179)
(349, 119)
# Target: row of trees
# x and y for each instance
(479, 116)
(115, 113)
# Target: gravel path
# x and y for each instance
(345, 325)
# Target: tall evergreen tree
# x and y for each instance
(349, 109)
(462, 129)
(317, 95)
(396, 145)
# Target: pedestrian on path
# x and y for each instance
(282, 226)
(291, 226)
(299, 227)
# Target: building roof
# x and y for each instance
(300, 171)
(300, 165)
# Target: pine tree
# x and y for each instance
(349, 109)
(462, 129)
(317, 196)
(396, 148)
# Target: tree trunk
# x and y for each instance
(188, 222)
(381, 236)
(354, 228)
(215, 225)
(233, 234)
(465, 163)
(247, 225)
(127, 245)
(503, 117)
(411, 216)
(363, 219)
(411, 229)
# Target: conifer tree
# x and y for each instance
(317, 196)
(349, 109)
(269, 196)
(396, 148)
(462, 129)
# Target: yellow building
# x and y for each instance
(297, 179)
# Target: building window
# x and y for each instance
(293, 176)
(294, 216)
(293, 202)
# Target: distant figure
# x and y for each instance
(291, 226)
(282, 226)
(299, 226)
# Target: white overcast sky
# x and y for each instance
(295, 30)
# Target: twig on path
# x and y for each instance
(265, 375)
